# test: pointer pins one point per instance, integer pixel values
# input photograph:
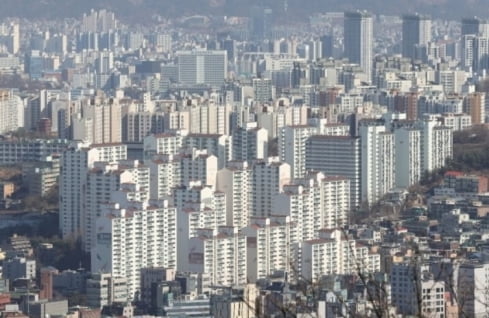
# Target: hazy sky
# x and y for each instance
(454, 9)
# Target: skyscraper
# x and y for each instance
(475, 26)
(468, 50)
(98, 21)
(10, 37)
(480, 51)
(416, 31)
(474, 38)
(261, 20)
(327, 45)
(359, 39)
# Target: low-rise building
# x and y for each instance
(19, 267)
(41, 177)
(13, 151)
(104, 289)
(6, 189)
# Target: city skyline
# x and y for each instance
(266, 163)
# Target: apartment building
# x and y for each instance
(76, 161)
(132, 235)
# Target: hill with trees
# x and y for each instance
(471, 150)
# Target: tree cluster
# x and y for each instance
(470, 150)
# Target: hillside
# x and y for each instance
(471, 150)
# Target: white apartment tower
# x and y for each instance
(138, 124)
(348, 103)
(132, 235)
(209, 118)
(99, 122)
(10, 36)
(217, 145)
(226, 262)
(292, 147)
(437, 144)
(250, 143)
(269, 178)
(198, 165)
(468, 51)
(275, 236)
(274, 118)
(473, 30)
(76, 161)
(177, 120)
(314, 203)
(198, 206)
(209, 214)
(236, 182)
(408, 167)
(170, 171)
(165, 174)
(11, 112)
(298, 202)
(169, 143)
(104, 179)
(333, 253)
(335, 201)
(378, 162)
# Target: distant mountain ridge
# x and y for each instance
(142, 9)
